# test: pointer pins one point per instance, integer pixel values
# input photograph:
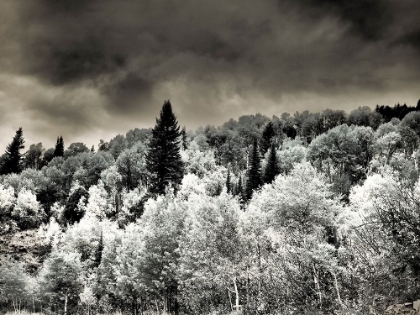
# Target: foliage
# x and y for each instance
(13, 285)
(163, 159)
(12, 161)
(172, 221)
(59, 147)
(60, 281)
(272, 168)
(254, 176)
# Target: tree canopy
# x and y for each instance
(163, 160)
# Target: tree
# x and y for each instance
(74, 209)
(27, 210)
(239, 191)
(303, 234)
(131, 164)
(76, 148)
(59, 147)
(48, 156)
(254, 180)
(103, 146)
(228, 182)
(163, 159)
(161, 226)
(184, 138)
(267, 137)
(117, 145)
(382, 227)
(98, 251)
(272, 169)
(33, 156)
(343, 154)
(13, 158)
(209, 249)
(13, 282)
(412, 120)
(60, 281)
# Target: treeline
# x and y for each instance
(302, 214)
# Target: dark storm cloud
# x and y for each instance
(118, 60)
(411, 39)
(368, 18)
(128, 92)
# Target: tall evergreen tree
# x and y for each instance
(240, 190)
(59, 147)
(184, 138)
(228, 182)
(272, 169)
(267, 137)
(98, 251)
(254, 180)
(12, 162)
(163, 160)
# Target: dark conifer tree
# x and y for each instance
(228, 182)
(98, 252)
(272, 169)
(163, 159)
(59, 147)
(418, 105)
(267, 137)
(240, 189)
(184, 138)
(254, 180)
(71, 211)
(12, 161)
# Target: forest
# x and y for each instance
(304, 213)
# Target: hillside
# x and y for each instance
(25, 247)
(310, 213)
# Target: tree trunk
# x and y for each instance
(247, 287)
(157, 306)
(317, 287)
(236, 295)
(65, 304)
(343, 306)
(230, 300)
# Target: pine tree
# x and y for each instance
(272, 169)
(267, 137)
(254, 180)
(59, 147)
(12, 162)
(184, 138)
(228, 182)
(418, 105)
(98, 251)
(239, 190)
(164, 160)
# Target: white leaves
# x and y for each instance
(26, 202)
(87, 297)
(7, 198)
(98, 201)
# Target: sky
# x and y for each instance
(92, 69)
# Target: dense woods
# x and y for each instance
(309, 213)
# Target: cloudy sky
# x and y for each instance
(90, 69)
